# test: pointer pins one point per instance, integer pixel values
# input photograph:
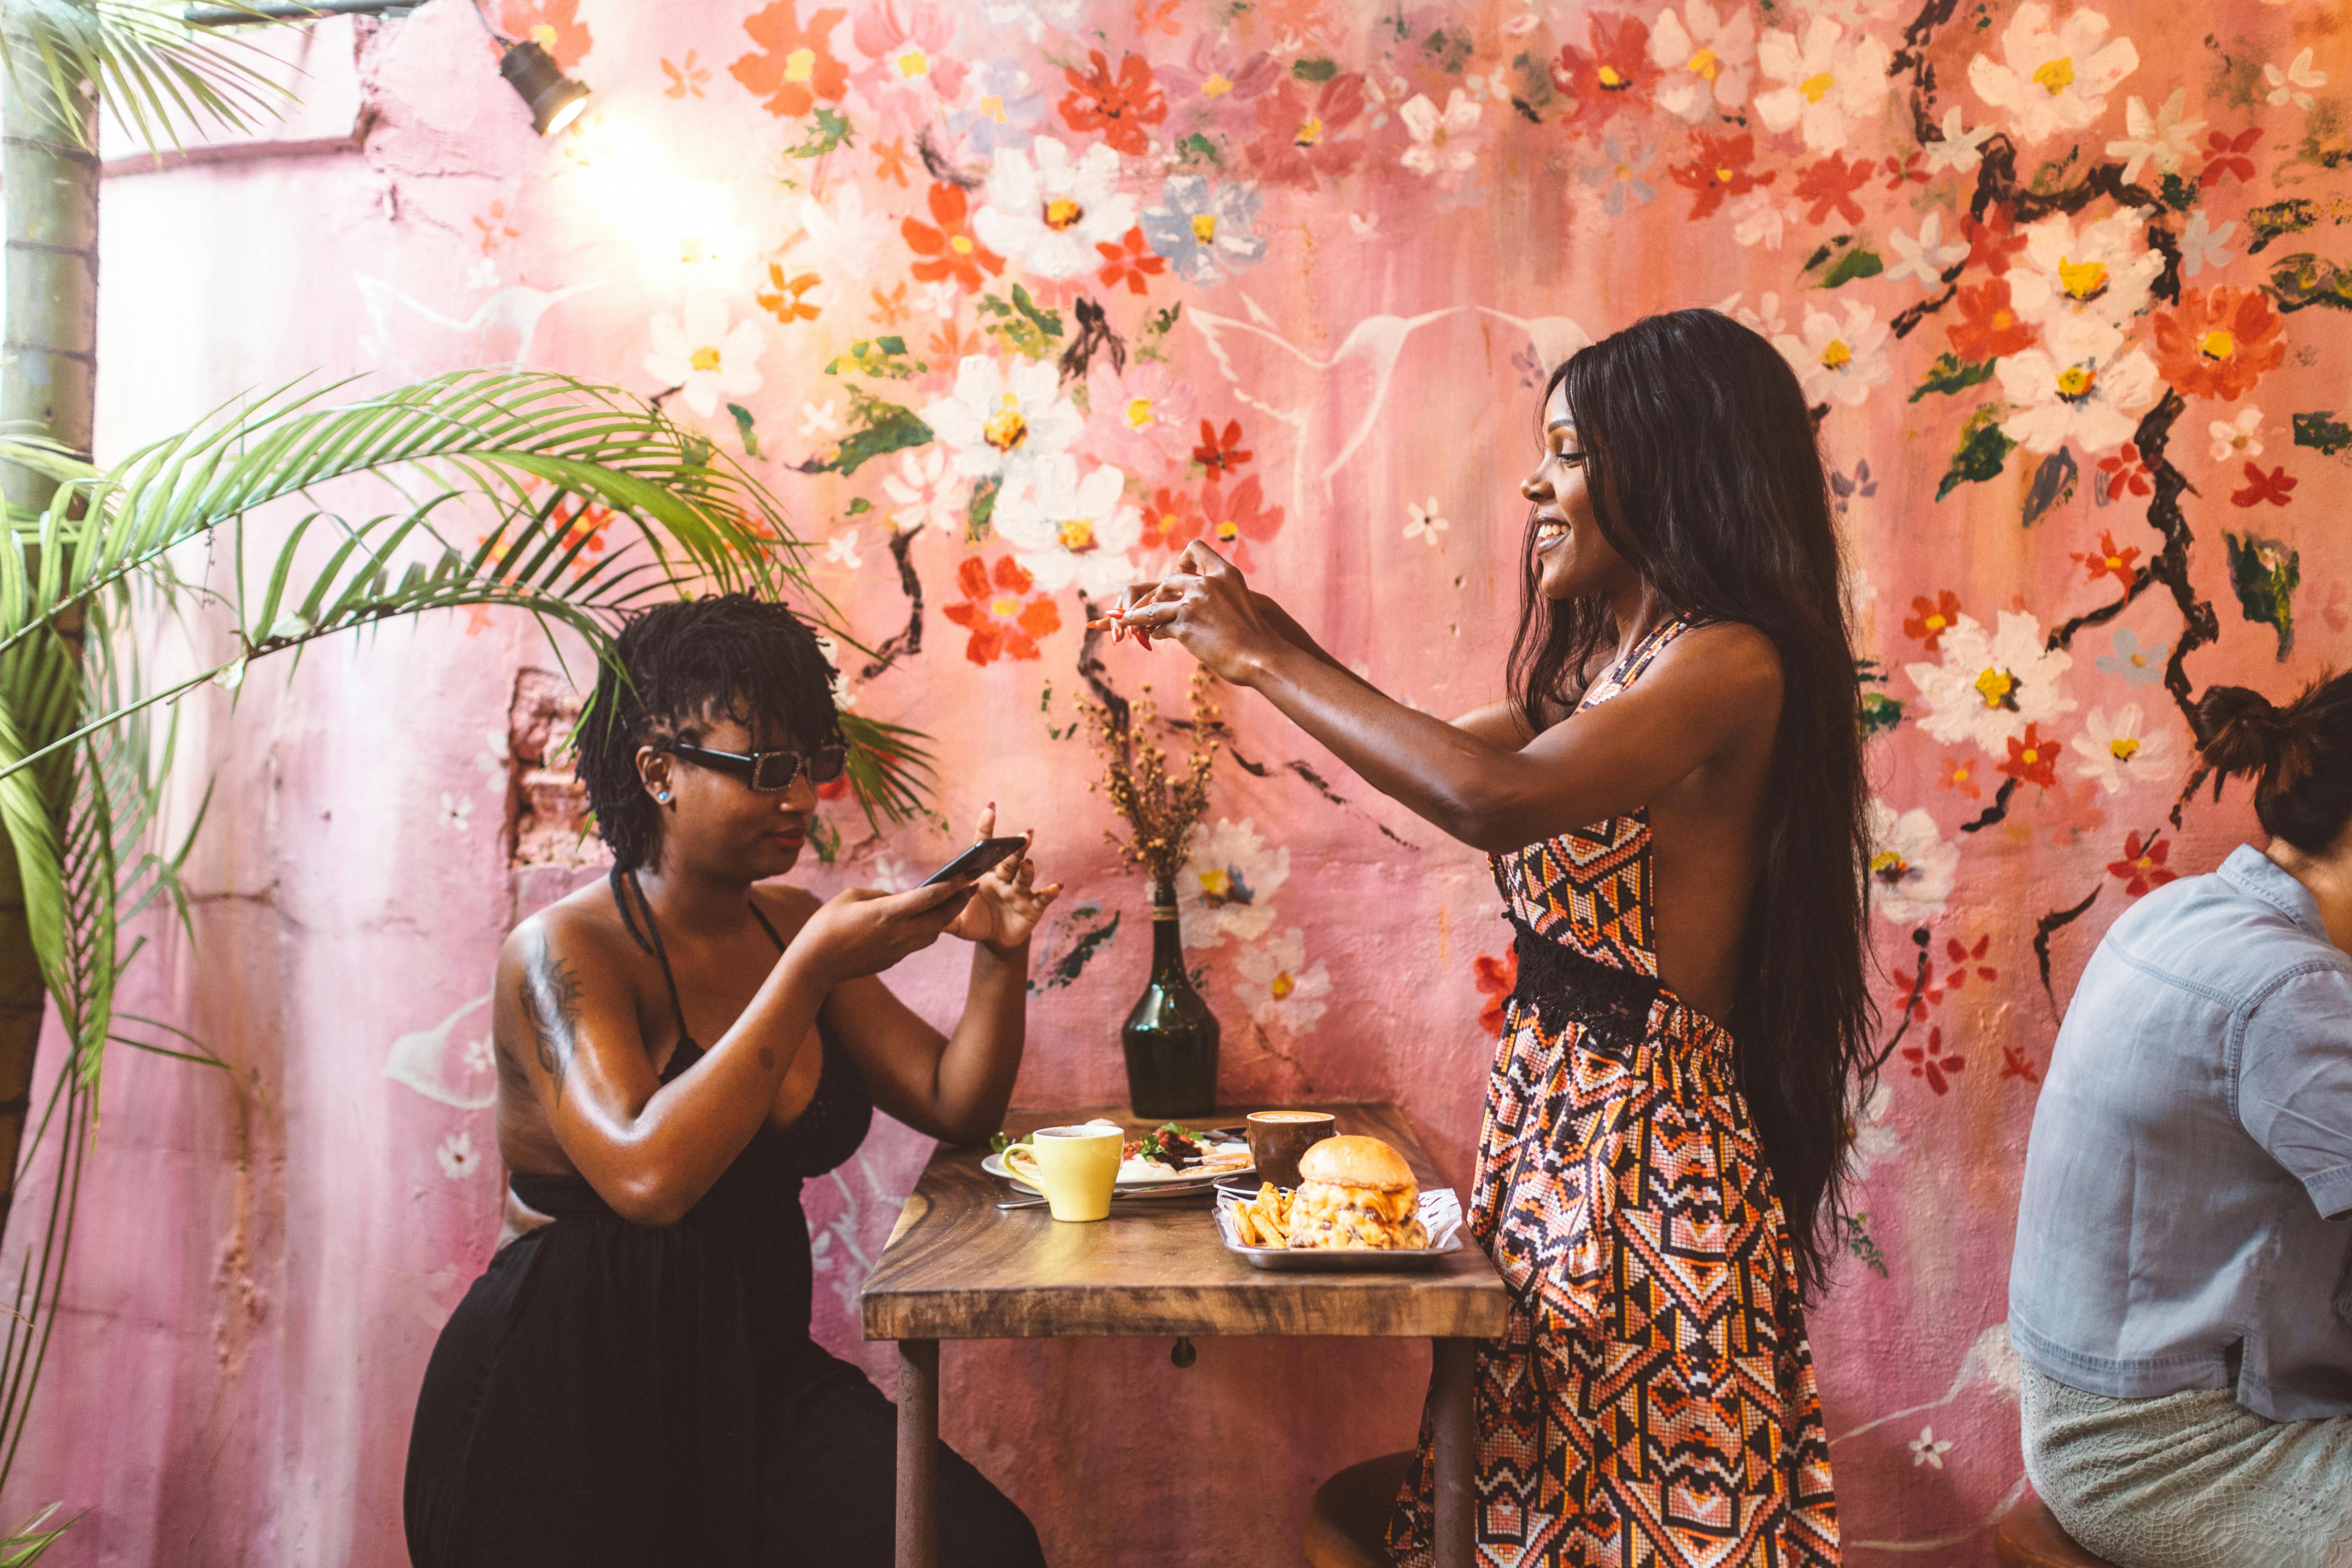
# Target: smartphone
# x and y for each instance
(988, 852)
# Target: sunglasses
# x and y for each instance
(767, 771)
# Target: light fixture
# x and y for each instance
(555, 100)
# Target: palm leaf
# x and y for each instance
(155, 76)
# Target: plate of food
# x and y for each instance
(1357, 1206)
(1170, 1158)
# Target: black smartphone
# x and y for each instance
(974, 861)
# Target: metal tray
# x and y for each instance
(1438, 1208)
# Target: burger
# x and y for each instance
(1356, 1193)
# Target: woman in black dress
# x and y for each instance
(635, 1382)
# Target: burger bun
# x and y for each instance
(1352, 1162)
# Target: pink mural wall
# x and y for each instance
(1284, 274)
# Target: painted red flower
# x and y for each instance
(1960, 776)
(1003, 620)
(1968, 960)
(1300, 142)
(1120, 104)
(1988, 326)
(2015, 1063)
(2143, 866)
(1901, 171)
(1992, 241)
(945, 246)
(1830, 186)
(2107, 560)
(1172, 521)
(1221, 454)
(2122, 473)
(1930, 618)
(2226, 154)
(1916, 995)
(553, 25)
(1718, 168)
(1130, 261)
(796, 66)
(1615, 73)
(1930, 1061)
(2033, 759)
(2274, 487)
(2218, 342)
(1232, 518)
(1496, 979)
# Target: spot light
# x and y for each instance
(555, 100)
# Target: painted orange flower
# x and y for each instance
(1221, 454)
(1496, 978)
(1718, 168)
(1988, 327)
(796, 66)
(2107, 560)
(998, 610)
(2032, 759)
(890, 160)
(1615, 73)
(1118, 105)
(1130, 261)
(1172, 521)
(2121, 473)
(553, 25)
(948, 249)
(1830, 186)
(951, 343)
(1299, 139)
(786, 297)
(1961, 774)
(1233, 519)
(2218, 342)
(1992, 241)
(1930, 618)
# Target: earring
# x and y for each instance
(663, 797)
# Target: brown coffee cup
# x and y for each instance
(1277, 1137)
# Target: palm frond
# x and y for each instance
(155, 74)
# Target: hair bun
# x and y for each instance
(2247, 733)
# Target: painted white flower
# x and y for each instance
(2294, 83)
(1278, 985)
(844, 239)
(1423, 522)
(1873, 1137)
(2114, 752)
(697, 353)
(455, 810)
(1032, 17)
(457, 1155)
(1758, 219)
(1911, 865)
(924, 492)
(2163, 138)
(1047, 212)
(819, 419)
(1707, 61)
(1924, 258)
(482, 274)
(1988, 687)
(1838, 361)
(1765, 319)
(1066, 529)
(478, 1055)
(2053, 78)
(1001, 422)
(1928, 1448)
(2239, 437)
(2100, 271)
(841, 550)
(1827, 80)
(2201, 246)
(1228, 887)
(938, 299)
(2081, 383)
(494, 759)
(1956, 149)
(1436, 147)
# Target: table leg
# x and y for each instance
(1452, 1364)
(918, 1453)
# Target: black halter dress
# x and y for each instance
(618, 1393)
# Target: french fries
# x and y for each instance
(1264, 1220)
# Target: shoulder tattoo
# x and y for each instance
(551, 1004)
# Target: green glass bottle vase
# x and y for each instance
(1170, 1036)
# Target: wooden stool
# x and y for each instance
(1348, 1521)
(2029, 1536)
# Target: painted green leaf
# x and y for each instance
(827, 131)
(751, 436)
(883, 358)
(1983, 450)
(1952, 374)
(2323, 432)
(979, 516)
(1198, 149)
(2264, 574)
(880, 427)
(1858, 1242)
(2299, 282)
(2277, 220)
(857, 505)
(2177, 194)
(1090, 940)
(1880, 713)
(1314, 70)
(1854, 264)
(2053, 481)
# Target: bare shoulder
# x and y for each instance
(787, 907)
(582, 927)
(1729, 659)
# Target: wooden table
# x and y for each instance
(957, 1267)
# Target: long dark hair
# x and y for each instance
(2299, 756)
(679, 667)
(1696, 434)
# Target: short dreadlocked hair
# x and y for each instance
(680, 667)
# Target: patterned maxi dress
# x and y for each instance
(1652, 1400)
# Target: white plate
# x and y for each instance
(1174, 1181)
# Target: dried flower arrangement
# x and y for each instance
(1161, 814)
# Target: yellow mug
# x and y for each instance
(1075, 1167)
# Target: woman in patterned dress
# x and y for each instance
(1672, 798)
